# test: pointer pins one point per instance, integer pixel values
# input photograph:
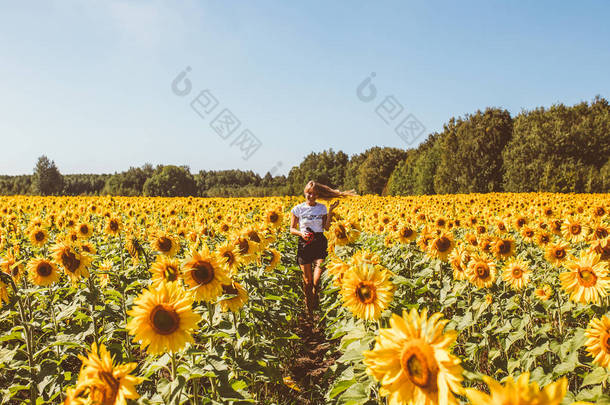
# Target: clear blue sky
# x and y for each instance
(88, 83)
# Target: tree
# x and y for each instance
(170, 181)
(402, 181)
(130, 182)
(471, 153)
(47, 179)
(376, 169)
(326, 167)
(552, 149)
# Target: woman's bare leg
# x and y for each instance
(308, 287)
(317, 273)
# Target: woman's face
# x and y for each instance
(310, 195)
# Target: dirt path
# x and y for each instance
(310, 365)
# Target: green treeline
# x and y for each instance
(556, 149)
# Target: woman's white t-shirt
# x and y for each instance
(310, 216)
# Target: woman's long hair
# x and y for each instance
(324, 192)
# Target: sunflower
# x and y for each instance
(42, 271)
(246, 249)
(556, 253)
(84, 230)
(519, 392)
(365, 256)
(226, 255)
(601, 247)
(343, 233)
(503, 248)
(104, 273)
(74, 263)
(337, 268)
(413, 362)
(88, 248)
(406, 233)
(11, 266)
(574, 230)
(587, 280)
(256, 237)
(224, 227)
(101, 381)
(519, 222)
(38, 236)
(441, 246)
(598, 341)
(113, 226)
(425, 239)
(598, 231)
(274, 218)
(544, 293)
(3, 292)
(542, 238)
(528, 233)
(235, 303)
(366, 290)
(202, 273)
(163, 318)
(481, 271)
(165, 244)
(272, 257)
(133, 246)
(459, 259)
(165, 269)
(516, 273)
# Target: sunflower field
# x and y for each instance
(453, 299)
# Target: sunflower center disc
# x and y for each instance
(165, 321)
(418, 363)
(442, 244)
(587, 277)
(229, 256)
(254, 237)
(273, 217)
(171, 273)
(560, 253)
(504, 247)
(407, 232)
(365, 293)
(203, 272)
(114, 226)
(517, 273)
(44, 269)
(482, 271)
(575, 229)
(229, 289)
(165, 244)
(243, 246)
(39, 236)
(70, 262)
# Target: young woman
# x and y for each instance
(308, 221)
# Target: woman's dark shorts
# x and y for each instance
(316, 249)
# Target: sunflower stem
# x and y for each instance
(56, 330)
(173, 362)
(30, 350)
(195, 385)
(559, 315)
(92, 310)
